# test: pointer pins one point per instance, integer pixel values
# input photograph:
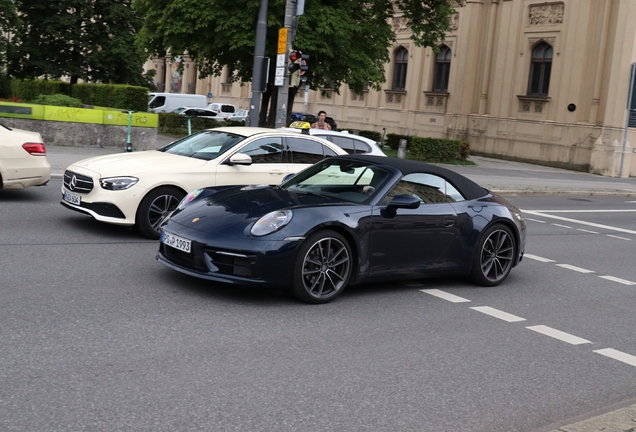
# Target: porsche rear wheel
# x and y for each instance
(494, 256)
(322, 269)
(155, 206)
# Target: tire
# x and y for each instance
(494, 256)
(322, 268)
(156, 205)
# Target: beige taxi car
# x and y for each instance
(139, 189)
(23, 160)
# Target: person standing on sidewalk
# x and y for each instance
(320, 124)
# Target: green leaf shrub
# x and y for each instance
(30, 89)
(122, 96)
(58, 100)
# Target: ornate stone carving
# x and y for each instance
(525, 106)
(454, 21)
(550, 40)
(546, 14)
(430, 100)
(400, 25)
(538, 107)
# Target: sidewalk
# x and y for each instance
(504, 177)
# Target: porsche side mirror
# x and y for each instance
(240, 159)
(400, 201)
(405, 202)
(288, 176)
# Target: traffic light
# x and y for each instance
(303, 67)
(297, 68)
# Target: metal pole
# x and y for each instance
(259, 55)
(283, 91)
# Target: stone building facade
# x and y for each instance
(530, 80)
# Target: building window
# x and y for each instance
(442, 69)
(540, 68)
(399, 73)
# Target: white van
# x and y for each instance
(168, 102)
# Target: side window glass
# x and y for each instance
(304, 151)
(346, 144)
(361, 146)
(159, 101)
(328, 152)
(264, 150)
(428, 188)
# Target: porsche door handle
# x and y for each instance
(449, 223)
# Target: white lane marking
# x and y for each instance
(617, 355)
(537, 258)
(562, 226)
(617, 237)
(535, 220)
(587, 231)
(446, 296)
(576, 269)
(558, 334)
(619, 280)
(607, 227)
(498, 314)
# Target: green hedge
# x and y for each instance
(58, 100)
(431, 149)
(375, 136)
(120, 96)
(30, 89)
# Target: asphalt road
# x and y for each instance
(96, 335)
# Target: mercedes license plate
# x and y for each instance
(72, 198)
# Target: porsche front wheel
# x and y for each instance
(494, 256)
(323, 267)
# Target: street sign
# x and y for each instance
(282, 40)
(278, 81)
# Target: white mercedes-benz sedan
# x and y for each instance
(142, 188)
(22, 159)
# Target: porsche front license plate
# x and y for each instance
(72, 198)
(176, 242)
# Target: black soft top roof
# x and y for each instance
(468, 188)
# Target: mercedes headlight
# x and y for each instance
(271, 222)
(118, 183)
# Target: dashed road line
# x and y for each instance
(575, 268)
(537, 258)
(617, 237)
(562, 226)
(535, 220)
(498, 314)
(587, 231)
(444, 295)
(619, 280)
(617, 355)
(558, 334)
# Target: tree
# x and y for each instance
(8, 23)
(91, 40)
(347, 40)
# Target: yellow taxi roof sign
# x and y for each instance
(300, 125)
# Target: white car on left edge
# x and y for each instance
(22, 159)
(142, 188)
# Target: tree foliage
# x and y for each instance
(8, 23)
(348, 40)
(91, 40)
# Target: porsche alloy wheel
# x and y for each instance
(494, 256)
(154, 208)
(323, 267)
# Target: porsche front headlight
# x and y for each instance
(117, 183)
(271, 222)
(189, 198)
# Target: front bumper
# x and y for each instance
(230, 259)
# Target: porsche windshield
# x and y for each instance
(342, 179)
(205, 144)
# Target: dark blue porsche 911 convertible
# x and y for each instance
(346, 220)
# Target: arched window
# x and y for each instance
(442, 69)
(399, 73)
(540, 67)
